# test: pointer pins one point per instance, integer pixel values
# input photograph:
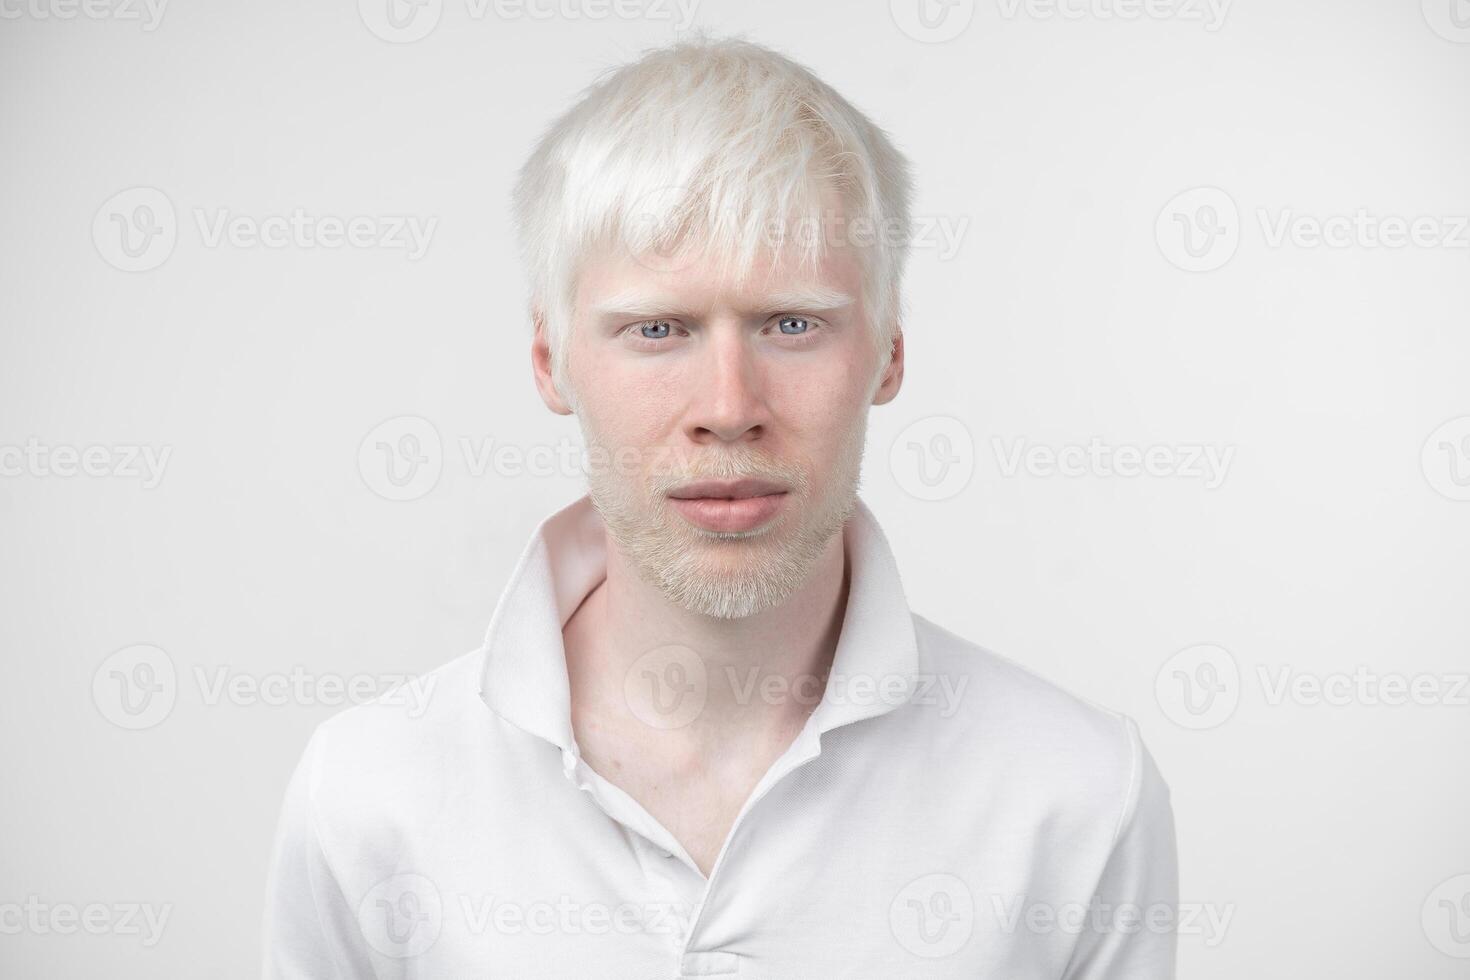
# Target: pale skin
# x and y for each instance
(721, 374)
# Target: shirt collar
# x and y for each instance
(524, 677)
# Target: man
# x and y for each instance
(705, 736)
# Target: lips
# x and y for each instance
(729, 505)
(726, 489)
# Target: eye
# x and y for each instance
(794, 325)
(655, 329)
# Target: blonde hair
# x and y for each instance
(709, 143)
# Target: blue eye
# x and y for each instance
(794, 325)
(655, 329)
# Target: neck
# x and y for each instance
(764, 673)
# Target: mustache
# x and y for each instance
(684, 467)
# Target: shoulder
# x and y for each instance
(397, 750)
(1080, 756)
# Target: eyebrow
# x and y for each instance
(637, 302)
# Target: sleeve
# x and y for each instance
(1132, 933)
(310, 929)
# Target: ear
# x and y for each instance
(892, 373)
(541, 367)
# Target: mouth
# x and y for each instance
(729, 505)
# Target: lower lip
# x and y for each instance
(716, 514)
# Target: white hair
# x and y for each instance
(711, 144)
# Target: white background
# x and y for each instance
(1334, 543)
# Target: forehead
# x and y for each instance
(619, 282)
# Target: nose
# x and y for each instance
(728, 401)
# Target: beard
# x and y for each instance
(725, 575)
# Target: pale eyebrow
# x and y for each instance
(638, 303)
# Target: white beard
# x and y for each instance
(725, 575)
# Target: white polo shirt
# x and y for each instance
(942, 814)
